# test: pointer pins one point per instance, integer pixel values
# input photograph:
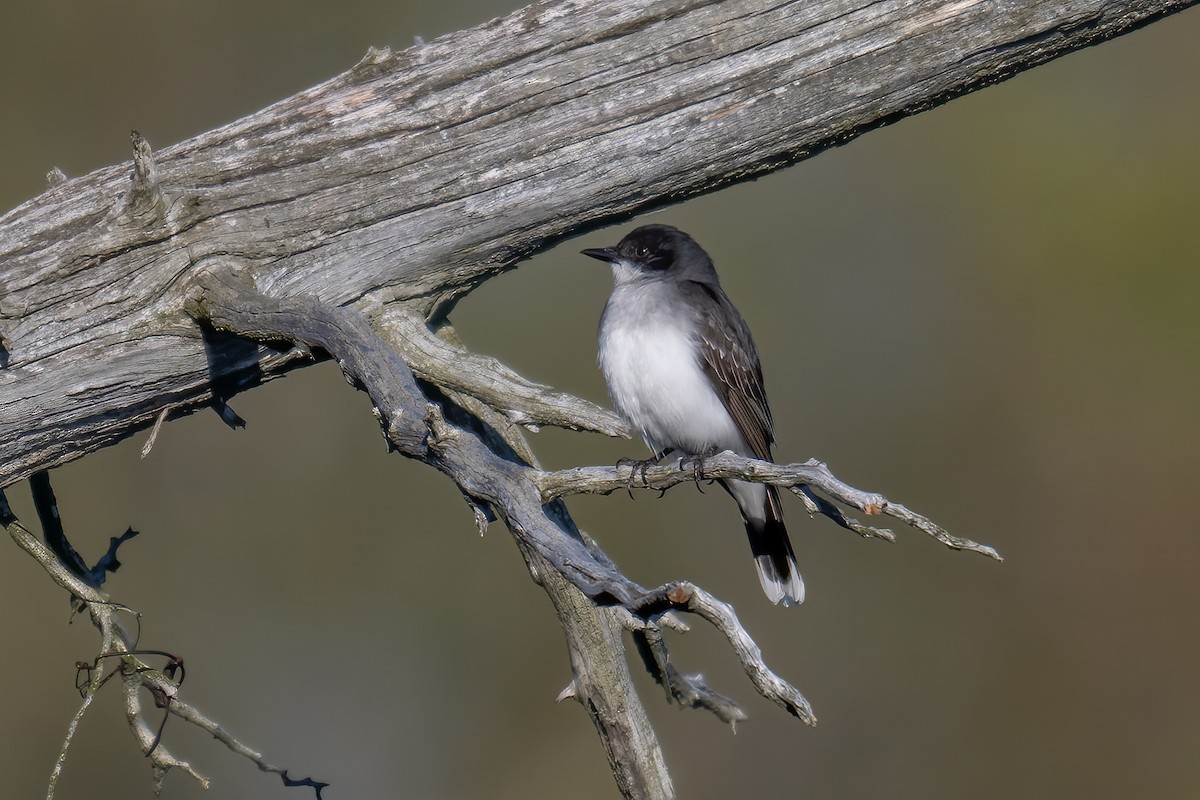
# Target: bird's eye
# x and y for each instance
(642, 252)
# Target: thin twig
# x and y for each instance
(687, 596)
(56, 772)
(809, 475)
(158, 421)
(689, 691)
(135, 673)
(440, 358)
(161, 759)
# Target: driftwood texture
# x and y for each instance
(416, 176)
(350, 218)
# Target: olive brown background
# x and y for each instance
(986, 312)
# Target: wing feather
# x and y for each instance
(731, 362)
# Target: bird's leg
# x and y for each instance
(696, 461)
(640, 464)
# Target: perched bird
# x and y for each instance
(682, 370)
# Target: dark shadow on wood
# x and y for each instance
(235, 365)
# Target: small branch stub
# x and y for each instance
(146, 204)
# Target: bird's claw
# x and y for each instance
(696, 462)
(636, 464)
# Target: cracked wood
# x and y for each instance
(415, 176)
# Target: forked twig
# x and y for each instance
(117, 643)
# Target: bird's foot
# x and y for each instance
(638, 465)
(696, 462)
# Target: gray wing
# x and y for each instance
(731, 362)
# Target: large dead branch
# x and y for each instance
(417, 175)
(347, 220)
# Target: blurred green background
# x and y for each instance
(986, 312)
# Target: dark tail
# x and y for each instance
(773, 555)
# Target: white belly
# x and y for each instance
(656, 383)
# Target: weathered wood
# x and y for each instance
(486, 455)
(415, 176)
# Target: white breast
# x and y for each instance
(655, 379)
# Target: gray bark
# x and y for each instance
(415, 176)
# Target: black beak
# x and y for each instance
(608, 254)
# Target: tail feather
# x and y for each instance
(773, 555)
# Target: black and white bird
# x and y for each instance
(682, 370)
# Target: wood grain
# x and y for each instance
(415, 176)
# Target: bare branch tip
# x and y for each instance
(159, 420)
(145, 169)
(989, 551)
(568, 692)
(377, 55)
(375, 61)
(484, 516)
(671, 621)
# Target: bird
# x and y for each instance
(682, 370)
